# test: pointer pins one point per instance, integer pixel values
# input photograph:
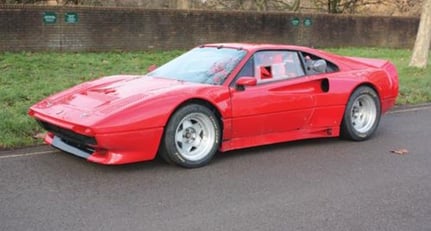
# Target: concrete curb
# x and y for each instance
(406, 108)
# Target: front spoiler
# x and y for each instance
(63, 146)
(113, 149)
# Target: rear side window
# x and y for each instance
(310, 63)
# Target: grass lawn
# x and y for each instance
(26, 78)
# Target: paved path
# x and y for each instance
(324, 184)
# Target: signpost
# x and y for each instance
(295, 21)
(302, 27)
(49, 17)
(308, 22)
(71, 17)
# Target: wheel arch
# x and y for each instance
(366, 84)
(204, 103)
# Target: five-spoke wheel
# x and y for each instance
(362, 114)
(191, 137)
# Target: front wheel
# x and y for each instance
(192, 137)
(362, 114)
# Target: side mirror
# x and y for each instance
(151, 68)
(319, 66)
(246, 81)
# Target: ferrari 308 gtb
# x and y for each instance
(220, 97)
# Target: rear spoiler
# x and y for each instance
(370, 62)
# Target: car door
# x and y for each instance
(281, 101)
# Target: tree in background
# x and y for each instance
(263, 5)
(423, 38)
(258, 5)
(342, 6)
(363, 7)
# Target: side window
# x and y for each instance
(247, 69)
(277, 65)
(315, 65)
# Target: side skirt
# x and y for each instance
(272, 138)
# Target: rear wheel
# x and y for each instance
(362, 114)
(192, 137)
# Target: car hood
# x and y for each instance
(124, 91)
(88, 102)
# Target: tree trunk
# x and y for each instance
(333, 6)
(423, 38)
(261, 5)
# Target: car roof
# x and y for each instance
(258, 46)
(341, 61)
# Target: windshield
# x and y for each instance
(210, 65)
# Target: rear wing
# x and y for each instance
(370, 62)
(386, 65)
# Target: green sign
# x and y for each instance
(308, 22)
(295, 21)
(71, 17)
(49, 17)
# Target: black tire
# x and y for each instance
(362, 114)
(191, 137)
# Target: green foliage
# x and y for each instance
(26, 78)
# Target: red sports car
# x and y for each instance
(220, 97)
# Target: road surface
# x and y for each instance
(323, 184)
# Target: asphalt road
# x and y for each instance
(324, 184)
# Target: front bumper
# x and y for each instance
(110, 148)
